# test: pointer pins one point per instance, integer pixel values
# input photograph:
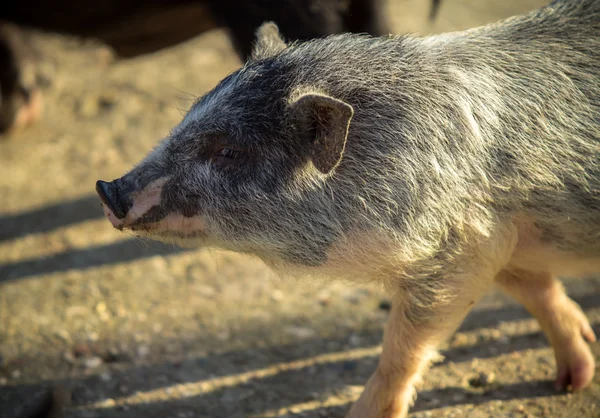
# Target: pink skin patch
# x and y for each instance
(145, 200)
(29, 112)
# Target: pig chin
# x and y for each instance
(174, 226)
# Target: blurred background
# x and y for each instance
(137, 329)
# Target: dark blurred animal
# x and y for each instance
(133, 27)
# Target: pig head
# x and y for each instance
(245, 170)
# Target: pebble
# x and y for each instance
(324, 298)
(299, 332)
(68, 357)
(277, 295)
(143, 350)
(82, 350)
(108, 403)
(460, 339)
(482, 379)
(3, 381)
(206, 291)
(63, 335)
(105, 377)
(102, 311)
(224, 336)
(91, 362)
(355, 340)
(458, 397)
(15, 374)
(503, 340)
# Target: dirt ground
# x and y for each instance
(138, 329)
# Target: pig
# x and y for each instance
(439, 167)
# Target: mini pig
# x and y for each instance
(440, 167)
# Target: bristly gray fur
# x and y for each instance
(451, 134)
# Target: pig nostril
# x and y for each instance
(110, 197)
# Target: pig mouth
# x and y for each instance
(157, 230)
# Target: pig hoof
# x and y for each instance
(31, 110)
(576, 364)
(18, 113)
(577, 373)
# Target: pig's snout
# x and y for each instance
(109, 195)
(128, 207)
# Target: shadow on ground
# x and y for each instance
(242, 383)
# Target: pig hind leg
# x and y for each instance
(561, 320)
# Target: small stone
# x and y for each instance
(105, 377)
(93, 336)
(324, 298)
(206, 291)
(3, 381)
(459, 339)
(143, 350)
(503, 340)
(520, 408)
(82, 350)
(15, 374)
(224, 336)
(458, 397)
(102, 311)
(299, 332)
(112, 355)
(91, 362)
(68, 357)
(355, 340)
(544, 360)
(107, 403)
(482, 379)
(385, 305)
(277, 295)
(63, 335)
(100, 308)
(352, 299)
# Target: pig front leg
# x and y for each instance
(561, 319)
(424, 313)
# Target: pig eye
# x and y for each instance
(228, 153)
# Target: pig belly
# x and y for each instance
(540, 257)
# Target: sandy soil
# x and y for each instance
(136, 329)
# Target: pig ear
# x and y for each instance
(268, 41)
(327, 121)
